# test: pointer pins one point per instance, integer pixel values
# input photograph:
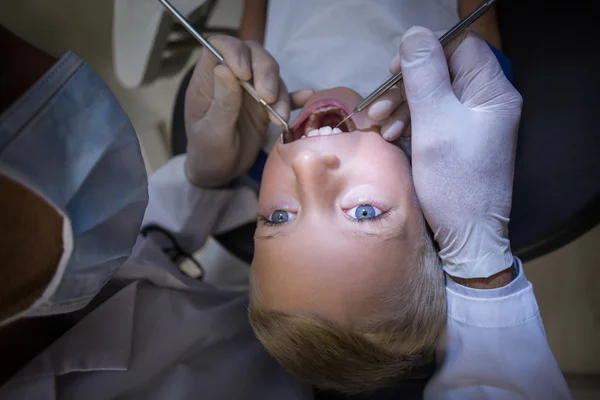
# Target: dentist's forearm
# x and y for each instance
(254, 20)
(486, 26)
(21, 65)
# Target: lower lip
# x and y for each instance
(318, 105)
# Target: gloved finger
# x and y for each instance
(405, 141)
(386, 104)
(426, 76)
(451, 46)
(199, 93)
(395, 65)
(265, 73)
(474, 66)
(395, 126)
(449, 49)
(224, 110)
(282, 105)
(297, 100)
(236, 53)
(300, 97)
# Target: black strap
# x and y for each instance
(174, 252)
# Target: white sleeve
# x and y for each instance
(191, 214)
(495, 346)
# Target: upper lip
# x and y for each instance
(328, 102)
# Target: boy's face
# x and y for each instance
(339, 221)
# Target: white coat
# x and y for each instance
(167, 336)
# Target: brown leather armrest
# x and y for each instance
(21, 65)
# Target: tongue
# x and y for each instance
(330, 120)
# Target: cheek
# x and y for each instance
(390, 167)
(275, 180)
(399, 180)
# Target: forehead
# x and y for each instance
(337, 277)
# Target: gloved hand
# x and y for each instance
(464, 116)
(225, 126)
(391, 109)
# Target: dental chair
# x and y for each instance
(553, 47)
(554, 50)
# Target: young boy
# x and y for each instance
(345, 275)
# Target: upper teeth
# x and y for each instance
(326, 130)
(326, 109)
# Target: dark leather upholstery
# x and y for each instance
(555, 51)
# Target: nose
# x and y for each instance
(315, 177)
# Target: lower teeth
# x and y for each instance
(324, 131)
(326, 116)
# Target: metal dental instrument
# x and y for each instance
(286, 136)
(445, 39)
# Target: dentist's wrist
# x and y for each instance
(478, 250)
(498, 280)
(482, 264)
(21, 66)
(492, 271)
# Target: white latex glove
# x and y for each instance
(464, 116)
(225, 126)
(391, 109)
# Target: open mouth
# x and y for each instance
(321, 119)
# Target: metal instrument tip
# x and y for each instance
(286, 136)
(345, 119)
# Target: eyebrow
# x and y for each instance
(271, 236)
(383, 235)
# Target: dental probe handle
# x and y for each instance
(445, 39)
(246, 85)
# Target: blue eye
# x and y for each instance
(279, 217)
(364, 212)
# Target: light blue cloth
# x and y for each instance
(69, 140)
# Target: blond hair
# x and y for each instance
(401, 337)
